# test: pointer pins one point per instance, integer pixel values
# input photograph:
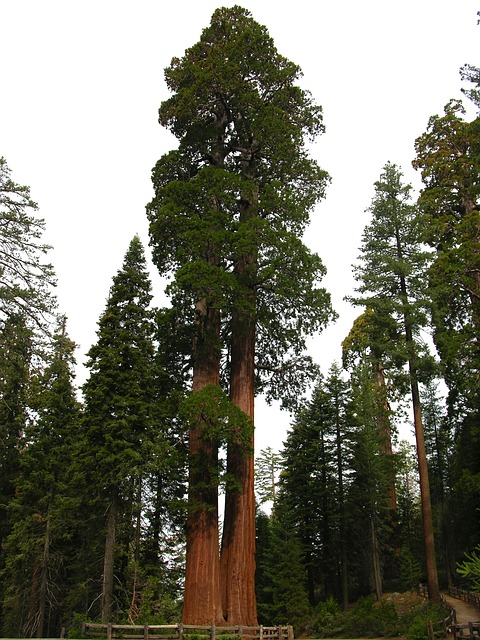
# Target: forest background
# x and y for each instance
(135, 487)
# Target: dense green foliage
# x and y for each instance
(369, 619)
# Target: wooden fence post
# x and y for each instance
(109, 631)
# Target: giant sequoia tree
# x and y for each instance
(448, 155)
(230, 207)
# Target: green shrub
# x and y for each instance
(370, 619)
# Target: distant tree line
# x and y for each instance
(109, 493)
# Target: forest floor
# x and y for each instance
(404, 602)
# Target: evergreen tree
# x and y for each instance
(448, 155)
(391, 276)
(372, 355)
(119, 399)
(409, 517)
(26, 306)
(16, 345)
(313, 486)
(26, 281)
(231, 205)
(39, 543)
(370, 489)
(289, 600)
(263, 586)
(267, 471)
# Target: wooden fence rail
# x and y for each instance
(468, 596)
(183, 632)
(438, 628)
(466, 631)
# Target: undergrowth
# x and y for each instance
(370, 619)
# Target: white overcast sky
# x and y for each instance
(81, 83)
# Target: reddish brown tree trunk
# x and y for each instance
(238, 542)
(427, 520)
(426, 504)
(202, 597)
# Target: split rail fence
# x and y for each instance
(184, 632)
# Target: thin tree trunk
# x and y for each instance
(427, 520)
(42, 593)
(202, 597)
(108, 561)
(342, 514)
(426, 505)
(137, 517)
(329, 586)
(377, 571)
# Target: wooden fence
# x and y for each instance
(467, 631)
(183, 632)
(439, 628)
(468, 596)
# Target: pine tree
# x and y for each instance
(16, 346)
(267, 470)
(289, 600)
(231, 206)
(371, 478)
(26, 281)
(391, 275)
(314, 486)
(119, 398)
(41, 511)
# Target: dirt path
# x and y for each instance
(465, 611)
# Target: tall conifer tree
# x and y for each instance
(119, 397)
(231, 206)
(391, 276)
(38, 545)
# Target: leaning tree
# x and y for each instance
(230, 208)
